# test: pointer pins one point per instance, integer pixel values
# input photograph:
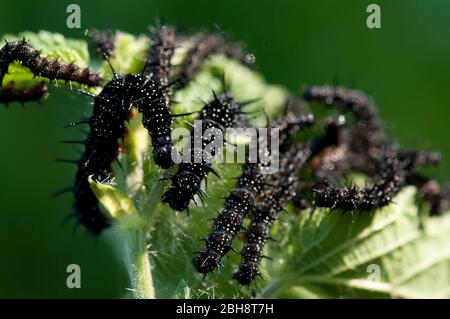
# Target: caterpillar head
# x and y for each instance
(184, 185)
(163, 156)
(217, 245)
(206, 262)
(246, 273)
(163, 152)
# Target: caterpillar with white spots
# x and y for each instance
(266, 213)
(222, 112)
(242, 201)
(368, 140)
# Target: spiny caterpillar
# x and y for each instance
(205, 45)
(228, 224)
(151, 99)
(242, 200)
(156, 118)
(163, 43)
(391, 174)
(107, 126)
(10, 93)
(329, 157)
(222, 112)
(111, 110)
(367, 140)
(344, 149)
(369, 137)
(42, 66)
(273, 200)
(154, 103)
(388, 182)
(431, 192)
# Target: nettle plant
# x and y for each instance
(356, 216)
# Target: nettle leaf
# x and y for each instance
(129, 54)
(119, 206)
(393, 253)
(53, 45)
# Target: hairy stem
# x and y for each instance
(138, 264)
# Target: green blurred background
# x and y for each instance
(405, 66)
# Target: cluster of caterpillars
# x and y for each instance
(340, 148)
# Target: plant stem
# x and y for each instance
(138, 264)
(271, 290)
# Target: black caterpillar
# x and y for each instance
(107, 126)
(330, 157)
(431, 192)
(273, 201)
(156, 118)
(10, 93)
(42, 66)
(392, 172)
(242, 200)
(368, 141)
(428, 189)
(155, 106)
(388, 183)
(228, 224)
(163, 43)
(216, 116)
(205, 45)
(151, 99)
(360, 150)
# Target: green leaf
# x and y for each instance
(392, 253)
(129, 54)
(53, 45)
(182, 291)
(117, 204)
